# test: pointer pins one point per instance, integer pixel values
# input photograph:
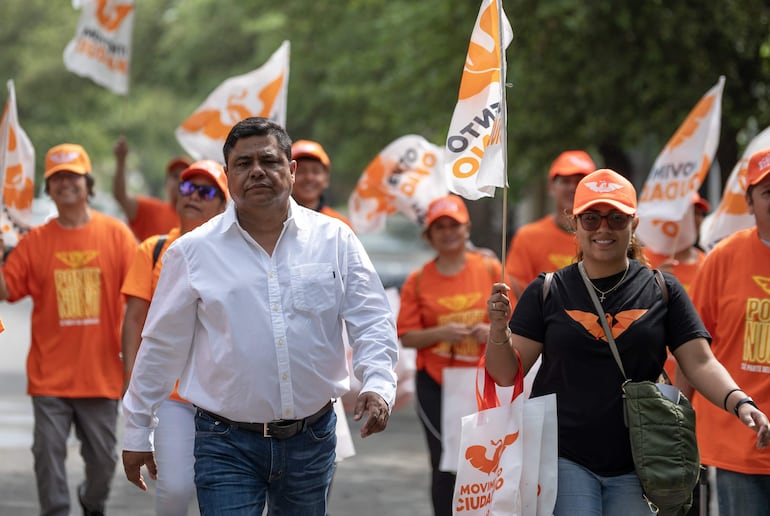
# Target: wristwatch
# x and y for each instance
(745, 400)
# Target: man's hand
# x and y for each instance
(132, 465)
(378, 410)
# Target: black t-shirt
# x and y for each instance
(577, 362)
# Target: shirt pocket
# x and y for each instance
(313, 287)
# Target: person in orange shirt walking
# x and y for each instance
(147, 216)
(732, 294)
(312, 178)
(72, 267)
(443, 316)
(202, 195)
(549, 244)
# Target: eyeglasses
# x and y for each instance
(206, 192)
(616, 221)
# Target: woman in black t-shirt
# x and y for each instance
(596, 470)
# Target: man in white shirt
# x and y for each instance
(248, 315)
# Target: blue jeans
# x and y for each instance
(741, 494)
(238, 471)
(583, 493)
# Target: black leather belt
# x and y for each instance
(279, 429)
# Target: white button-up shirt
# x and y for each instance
(254, 337)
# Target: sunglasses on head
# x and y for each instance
(207, 192)
(616, 221)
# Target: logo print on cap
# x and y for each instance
(603, 186)
(764, 162)
(63, 157)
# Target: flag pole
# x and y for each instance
(504, 131)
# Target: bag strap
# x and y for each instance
(547, 285)
(602, 318)
(158, 248)
(486, 398)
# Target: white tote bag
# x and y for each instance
(539, 473)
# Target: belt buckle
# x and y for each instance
(266, 430)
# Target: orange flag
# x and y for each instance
(262, 92)
(474, 160)
(101, 48)
(17, 173)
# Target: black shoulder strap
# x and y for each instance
(547, 284)
(158, 248)
(661, 281)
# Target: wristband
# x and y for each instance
(724, 403)
(506, 341)
(744, 401)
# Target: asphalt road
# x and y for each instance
(389, 475)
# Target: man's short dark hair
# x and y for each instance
(257, 126)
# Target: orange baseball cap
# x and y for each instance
(178, 162)
(310, 149)
(450, 206)
(759, 167)
(207, 168)
(571, 163)
(605, 186)
(68, 157)
(700, 203)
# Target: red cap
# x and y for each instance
(605, 186)
(700, 203)
(309, 149)
(759, 167)
(178, 162)
(450, 206)
(210, 169)
(570, 163)
(68, 157)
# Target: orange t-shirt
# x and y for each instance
(685, 273)
(331, 212)
(153, 217)
(541, 246)
(142, 277)
(732, 295)
(73, 277)
(429, 298)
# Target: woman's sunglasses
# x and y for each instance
(207, 192)
(616, 221)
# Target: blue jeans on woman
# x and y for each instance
(584, 493)
(238, 471)
(740, 493)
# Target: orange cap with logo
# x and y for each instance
(67, 157)
(208, 168)
(605, 186)
(449, 206)
(759, 167)
(312, 150)
(570, 163)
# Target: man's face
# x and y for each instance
(562, 190)
(258, 173)
(759, 206)
(68, 189)
(310, 181)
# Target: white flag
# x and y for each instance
(262, 93)
(405, 176)
(17, 173)
(101, 48)
(678, 172)
(732, 214)
(474, 161)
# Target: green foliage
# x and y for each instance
(615, 78)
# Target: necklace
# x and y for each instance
(603, 293)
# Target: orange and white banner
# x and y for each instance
(101, 48)
(732, 214)
(405, 177)
(17, 174)
(262, 92)
(474, 158)
(666, 225)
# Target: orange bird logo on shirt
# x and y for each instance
(618, 324)
(477, 454)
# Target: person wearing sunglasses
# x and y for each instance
(202, 195)
(596, 472)
(251, 322)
